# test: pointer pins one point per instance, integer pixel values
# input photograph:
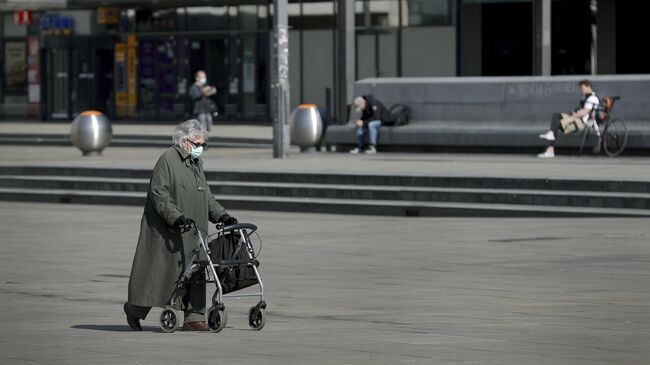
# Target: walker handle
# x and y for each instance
(238, 226)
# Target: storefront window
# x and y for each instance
(313, 15)
(163, 20)
(248, 16)
(126, 23)
(413, 13)
(426, 12)
(377, 13)
(263, 17)
(207, 18)
(15, 67)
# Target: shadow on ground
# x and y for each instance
(112, 328)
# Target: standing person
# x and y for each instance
(178, 198)
(203, 106)
(372, 111)
(583, 117)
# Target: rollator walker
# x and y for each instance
(228, 260)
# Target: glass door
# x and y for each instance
(58, 85)
(211, 55)
(84, 86)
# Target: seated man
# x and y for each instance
(372, 112)
(583, 117)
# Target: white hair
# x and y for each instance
(189, 129)
(359, 103)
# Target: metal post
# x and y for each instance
(546, 37)
(346, 62)
(280, 79)
(593, 6)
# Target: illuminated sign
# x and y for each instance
(52, 23)
(23, 17)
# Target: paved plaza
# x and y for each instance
(341, 290)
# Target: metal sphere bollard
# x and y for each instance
(91, 132)
(306, 126)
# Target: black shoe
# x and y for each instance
(132, 320)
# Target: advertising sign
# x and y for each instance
(15, 66)
(33, 76)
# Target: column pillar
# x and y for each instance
(280, 79)
(345, 58)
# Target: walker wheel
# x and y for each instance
(168, 320)
(217, 319)
(256, 318)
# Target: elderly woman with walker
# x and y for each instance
(178, 198)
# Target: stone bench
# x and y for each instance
(501, 112)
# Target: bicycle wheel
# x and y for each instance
(615, 137)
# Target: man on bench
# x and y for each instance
(584, 117)
(372, 112)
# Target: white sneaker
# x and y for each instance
(546, 154)
(549, 136)
(354, 151)
(371, 150)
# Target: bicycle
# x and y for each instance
(614, 135)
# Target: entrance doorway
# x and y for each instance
(495, 37)
(77, 76)
(570, 37)
(507, 38)
(211, 56)
(631, 27)
(57, 83)
(237, 66)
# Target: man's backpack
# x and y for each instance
(397, 115)
(603, 109)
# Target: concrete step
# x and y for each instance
(470, 182)
(338, 206)
(558, 198)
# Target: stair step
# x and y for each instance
(344, 187)
(343, 191)
(476, 182)
(338, 206)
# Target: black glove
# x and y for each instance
(227, 220)
(185, 224)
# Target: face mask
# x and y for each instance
(202, 81)
(197, 151)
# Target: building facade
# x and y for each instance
(136, 59)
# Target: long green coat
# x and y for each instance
(178, 187)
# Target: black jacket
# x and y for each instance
(201, 103)
(374, 109)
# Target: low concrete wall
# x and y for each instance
(505, 98)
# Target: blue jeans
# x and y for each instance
(373, 128)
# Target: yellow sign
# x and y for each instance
(120, 80)
(132, 73)
(126, 77)
(107, 15)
